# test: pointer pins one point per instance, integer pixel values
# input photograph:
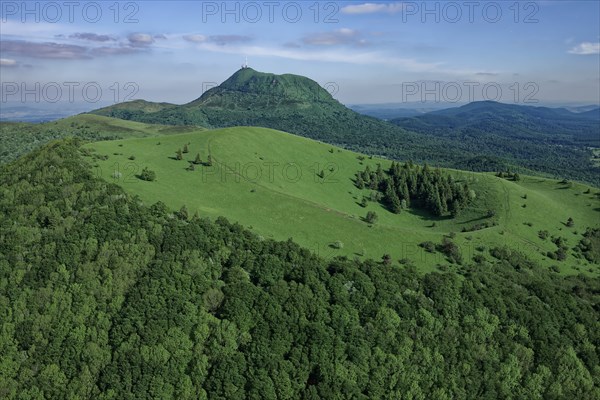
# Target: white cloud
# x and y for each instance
(340, 36)
(195, 38)
(7, 62)
(372, 8)
(586, 48)
(338, 56)
(140, 39)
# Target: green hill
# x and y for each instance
(20, 138)
(484, 136)
(283, 186)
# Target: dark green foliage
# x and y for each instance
(185, 148)
(589, 246)
(450, 250)
(480, 226)
(102, 297)
(428, 246)
(363, 202)
(147, 175)
(512, 176)
(198, 160)
(570, 223)
(561, 249)
(371, 217)
(409, 184)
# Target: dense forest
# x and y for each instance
(408, 184)
(105, 297)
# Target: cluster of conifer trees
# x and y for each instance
(408, 185)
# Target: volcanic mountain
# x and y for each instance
(287, 102)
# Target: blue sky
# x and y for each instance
(364, 52)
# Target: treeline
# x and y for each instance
(408, 184)
(104, 297)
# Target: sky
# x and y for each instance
(90, 54)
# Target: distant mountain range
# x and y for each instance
(390, 111)
(478, 136)
(555, 125)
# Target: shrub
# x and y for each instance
(371, 217)
(147, 175)
(428, 246)
(450, 250)
(337, 244)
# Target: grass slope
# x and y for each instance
(19, 138)
(267, 180)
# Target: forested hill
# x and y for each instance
(542, 139)
(501, 137)
(104, 297)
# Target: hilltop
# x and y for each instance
(261, 88)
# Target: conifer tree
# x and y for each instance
(392, 200)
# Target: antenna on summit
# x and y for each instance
(245, 64)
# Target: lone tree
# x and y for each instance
(209, 160)
(147, 175)
(363, 202)
(371, 217)
(178, 155)
(197, 160)
(570, 222)
(386, 259)
(185, 148)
